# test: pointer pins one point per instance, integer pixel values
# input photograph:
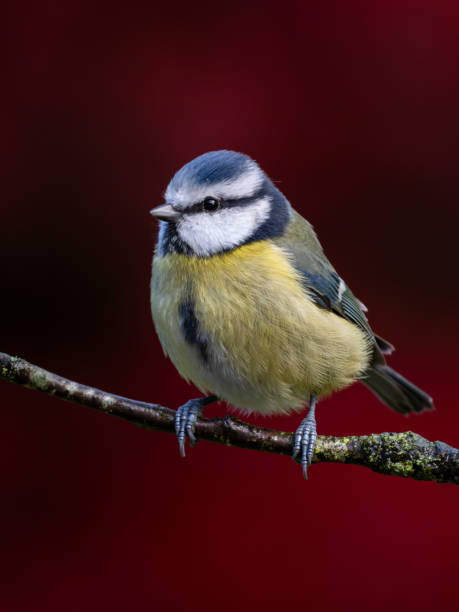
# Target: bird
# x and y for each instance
(250, 310)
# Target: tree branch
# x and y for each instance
(397, 454)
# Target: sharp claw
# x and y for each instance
(185, 420)
(192, 438)
(305, 460)
(298, 442)
(180, 420)
(305, 440)
(181, 438)
(190, 431)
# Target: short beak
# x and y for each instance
(165, 212)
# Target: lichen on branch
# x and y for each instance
(397, 454)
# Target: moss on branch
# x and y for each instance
(397, 454)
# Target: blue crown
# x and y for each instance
(212, 167)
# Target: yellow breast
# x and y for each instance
(268, 345)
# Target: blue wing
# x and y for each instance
(323, 283)
(330, 291)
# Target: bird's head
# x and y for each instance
(217, 202)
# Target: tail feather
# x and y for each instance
(395, 391)
(385, 347)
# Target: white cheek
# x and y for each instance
(210, 233)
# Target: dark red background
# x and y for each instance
(353, 108)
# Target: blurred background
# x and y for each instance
(353, 109)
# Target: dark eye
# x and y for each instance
(210, 204)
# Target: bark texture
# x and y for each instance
(397, 454)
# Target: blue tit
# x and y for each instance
(248, 307)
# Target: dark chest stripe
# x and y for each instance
(190, 328)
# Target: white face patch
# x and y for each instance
(209, 233)
(243, 186)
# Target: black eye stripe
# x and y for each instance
(196, 208)
(234, 202)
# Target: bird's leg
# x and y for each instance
(305, 438)
(185, 419)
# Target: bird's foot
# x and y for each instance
(185, 420)
(305, 439)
